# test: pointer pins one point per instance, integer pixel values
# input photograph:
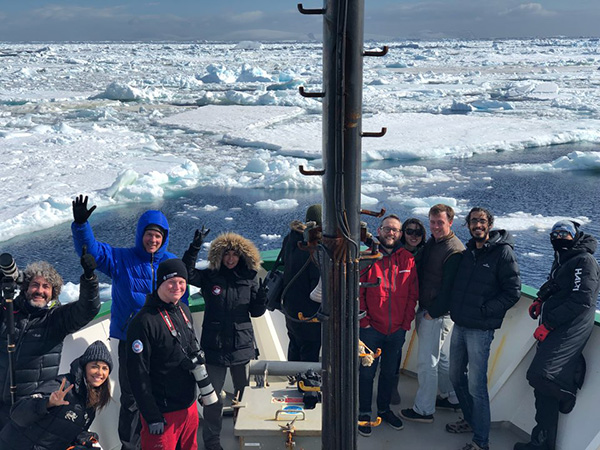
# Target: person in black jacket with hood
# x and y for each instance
(302, 272)
(162, 347)
(232, 296)
(486, 285)
(60, 411)
(565, 308)
(41, 325)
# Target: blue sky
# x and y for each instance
(235, 20)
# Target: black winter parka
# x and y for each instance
(231, 298)
(297, 295)
(569, 312)
(39, 334)
(35, 427)
(487, 284)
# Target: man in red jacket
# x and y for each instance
(390, 309)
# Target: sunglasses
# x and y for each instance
(413, 232)
(559, 234)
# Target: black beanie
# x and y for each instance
(155, 227)
(96, 352)
(170, 268)
(313, 214)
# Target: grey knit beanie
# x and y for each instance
(314, 213)
(96, 352)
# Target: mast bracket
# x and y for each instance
(303, 93)
(375, 134)
(310, 11)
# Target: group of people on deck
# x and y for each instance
(461, 294)
(457, 295)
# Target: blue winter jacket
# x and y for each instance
(133, 270)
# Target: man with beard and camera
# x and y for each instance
(565, 309)
(163, 353)
(487, 284)
(41, 324)
(390, 309)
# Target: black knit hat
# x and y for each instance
(170, 268)
(155, 227)
(96, 352)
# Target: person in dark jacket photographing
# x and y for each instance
(60, 412)
(41, 325)
(487, 284)
(161, 348)
(232, 296)
(565, 310)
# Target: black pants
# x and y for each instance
(305, 341)
(129, 415)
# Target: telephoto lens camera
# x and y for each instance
(8, 267)
(207, 392)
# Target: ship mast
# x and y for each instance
(340, 251)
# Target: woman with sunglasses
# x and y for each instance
(413, 237)
(413, 240)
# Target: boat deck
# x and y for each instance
(417, 436)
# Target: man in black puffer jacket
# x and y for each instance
(40, 329)
(565, 306)
(487, 284)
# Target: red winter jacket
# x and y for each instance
(391, 305)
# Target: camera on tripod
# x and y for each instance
(207, 392)
(11, 276)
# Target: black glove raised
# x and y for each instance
(199, 237)
(88, 262)
(263, 289)
(81, 213)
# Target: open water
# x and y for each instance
(572, 193)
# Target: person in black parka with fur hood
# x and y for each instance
(565, 307)
(232, 296)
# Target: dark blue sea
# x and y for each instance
(569, 193)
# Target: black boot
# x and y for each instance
(541, 439)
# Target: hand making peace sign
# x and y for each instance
(57, 398)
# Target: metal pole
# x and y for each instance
(342, 114)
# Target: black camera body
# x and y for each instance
(548, 289)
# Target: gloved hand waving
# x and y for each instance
(199, 237)
(81, 213)
(88, 262)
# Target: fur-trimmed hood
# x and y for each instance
(298, 226)
(232, 241)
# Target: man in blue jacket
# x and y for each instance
(133, 273)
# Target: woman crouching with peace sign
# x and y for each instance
(59, 414)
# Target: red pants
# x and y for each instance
(182, 427)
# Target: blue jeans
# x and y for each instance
(390, 345)
(431, 362)
(471, 348)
